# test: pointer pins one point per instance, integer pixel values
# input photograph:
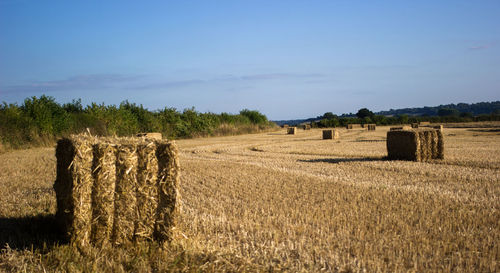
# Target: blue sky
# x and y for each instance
(287, 59)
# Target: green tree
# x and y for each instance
(364, 112)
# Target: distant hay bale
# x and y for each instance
(371, 127)
(285, 126)
(307, 127)
(113, 191)
(414, 125)
(424, 123)
(291, 130)
(438, 127)
(150, 135)
(415, 145)
(400, 128)
(330, 134)
(353, 126)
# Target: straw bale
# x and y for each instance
(353, 125)
(440, 144)
(307, 126)
(147, 191)
(416, 145)
(424, 123)
(125, 196)
(285, 126)
(73, 187)
(103, 191)
(438, 127)
(112, 191)
(291, 130)
(403, 144)
(150, 135)
(414, 125)
(168, 196)
(330, 134)
(400, 128)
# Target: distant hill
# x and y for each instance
(474, 109)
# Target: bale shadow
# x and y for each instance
(32, 232)
(496, 130)
(369, 140)
(341, 160)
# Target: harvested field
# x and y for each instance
(291, 203)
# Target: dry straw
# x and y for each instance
(424, 123)
(285, 126)
(113, 191)
(416, 145)
(291, 130)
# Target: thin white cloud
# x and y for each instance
(78, 82)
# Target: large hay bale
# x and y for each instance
(291, 130)
(400, 128)
(415, 145)
(371, 127)
(113, 191)
(330, 134)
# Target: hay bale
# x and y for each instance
(291, 130)
(285, 126)
(103, 192)
(438, 127)
(125, 194)
(403, 145)
(113, 191)
(147, 192)
(150, 135)
(307, 127)
(168, 197)
(424, 123)
(330, 134)
(440, 144)
(415, 145)
(400, 128)
(414, 125)
(371, 127)
(73, 187)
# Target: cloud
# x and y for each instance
(167, 84)
(141, 82)
(78, 82)
(272, 76)
(479, 47)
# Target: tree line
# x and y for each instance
(365, 116)
(41, 120)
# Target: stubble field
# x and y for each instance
(277, 202)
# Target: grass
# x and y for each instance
(275, 202)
